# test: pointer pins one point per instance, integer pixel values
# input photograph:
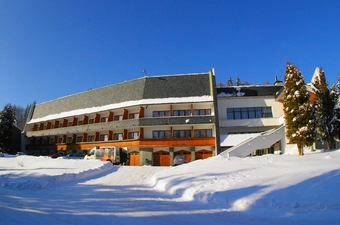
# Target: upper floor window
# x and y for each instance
(118, 136)
(133, 135)
(161, 134)
(182, 112)
(91, 121)
(104, 119)
(249, 113)
(118, 118)
(181, 133)
(203, 133)
(103, 137)
(79, 139)
(202, 112)
(133, 116)
(68, 140)
(90, 138)
(161, 113)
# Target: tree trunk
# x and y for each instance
(300, 148)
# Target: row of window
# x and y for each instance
(135, 135)
(249, 113)
(182, 133)
(196, 112)
(186, 112)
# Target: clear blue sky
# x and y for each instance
(53, 48)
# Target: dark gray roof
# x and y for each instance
(270, 90)
(186, 85)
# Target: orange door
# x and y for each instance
(161, 158)
(203, 154)
(134, 159)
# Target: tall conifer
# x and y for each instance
(7, 120)
(336, 118)
(324, 109)
(297, 109)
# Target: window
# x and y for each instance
(267, 112)
(161, 134)
(161, 113)
(202, 112)
(103, 137)
(118, 136)
(91, 121)
(104, 119)
(203, 133)
(249, 113)
(60, 140)
(133, 116)
(118, 118)
(69, 124)
(90, 138)
(80, 122)
(182, 112)
(181, 133)
(133, 135)
(68, 140)
(79, 139)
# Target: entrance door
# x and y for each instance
(134, 159)
(203, 154)
(161, 158)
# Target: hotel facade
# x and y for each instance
(152, 118)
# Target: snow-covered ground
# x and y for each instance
(269, 189)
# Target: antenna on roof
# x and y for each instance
(144, 71)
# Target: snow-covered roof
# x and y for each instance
(154, 101)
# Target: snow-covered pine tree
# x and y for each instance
(324, 109)
(230, 82)
(238, 81)
(298, 112)
(7, 120)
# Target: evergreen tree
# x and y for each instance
(298, 112)
(230, 82)
(238, 81)
(336, 118)
(324, 109)
(19, 116)
(7, 120)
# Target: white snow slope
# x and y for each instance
(269, 189)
